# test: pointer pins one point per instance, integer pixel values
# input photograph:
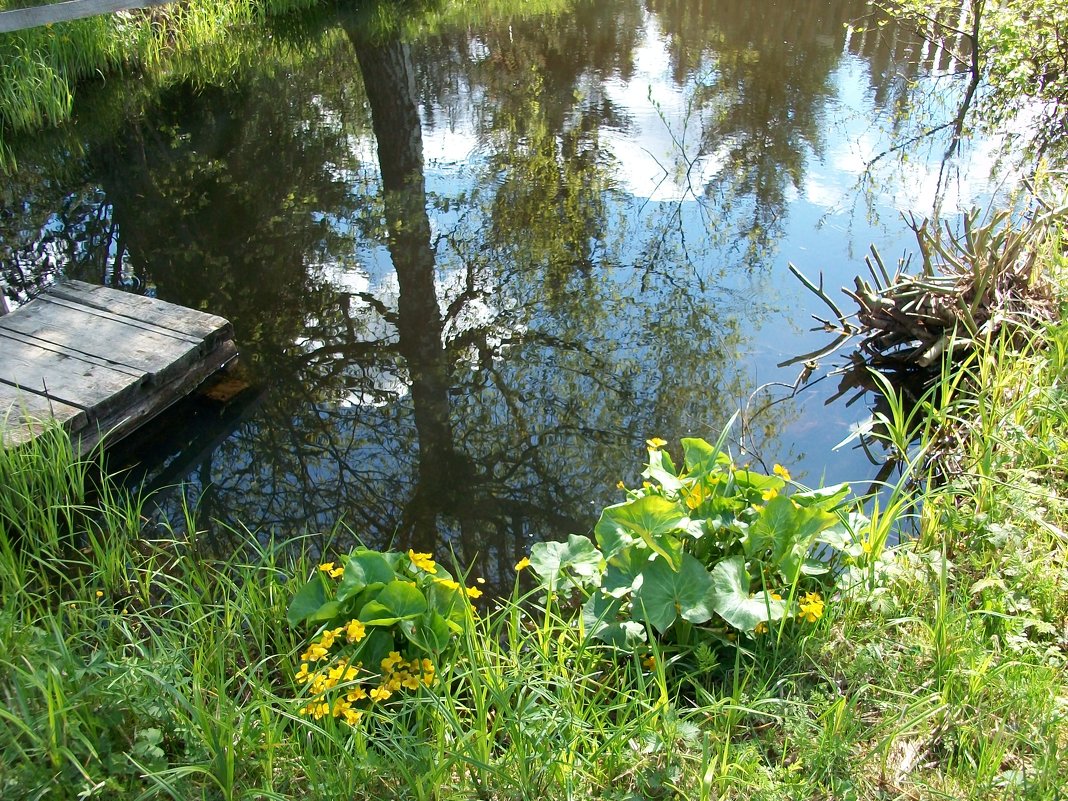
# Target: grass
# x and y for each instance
(44, 66)
(135, 667)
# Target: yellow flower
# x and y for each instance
(314, 653)
(452, 585)
(811, 607)
(781, 472)
(620, 485)
(422, 561)
(317, 709)
(353, 716)
(655, 443)
(326, 639)
(768, 494)
(776, 597)
(99, 593)
(303, 675)
(696, 495)
(356, 694)
(330, 570)
(761, 628)
(866, 545)
(522, 564)
(474, 592)
(380, 694)
(649, 663)
(411, 682)
(391, 662)
(355, 631)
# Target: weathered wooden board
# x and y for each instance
(73, 329)
(21, 18)
(24, 414)
(101, 362)
(179, 320)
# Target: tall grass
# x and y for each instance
(43, 66)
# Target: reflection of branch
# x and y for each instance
(910, 141)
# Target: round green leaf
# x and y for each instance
(731, 600)
(561, 565)
(667, 594)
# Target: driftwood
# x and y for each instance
(967, 288)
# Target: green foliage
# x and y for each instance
(387, 619)
(711, 546)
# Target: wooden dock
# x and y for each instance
(101, 362)
(18, 19)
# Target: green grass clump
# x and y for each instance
(43, 66)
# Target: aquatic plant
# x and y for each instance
(703, 554)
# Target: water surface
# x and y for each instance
(473, 264)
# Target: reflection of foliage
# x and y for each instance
(760, 102)
(1017, 48)
(565, 340)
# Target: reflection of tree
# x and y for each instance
(762, 75)
(506, 366)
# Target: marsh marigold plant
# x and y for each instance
(383, 623)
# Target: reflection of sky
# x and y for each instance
(675, 324)
(661, 166)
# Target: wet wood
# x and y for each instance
(101, 362)
(22, 18)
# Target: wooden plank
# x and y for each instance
(123, 420)
(169, 316)
(23, 415)
(68, 379)
(101, 362)
(21, 18)
(98, 337)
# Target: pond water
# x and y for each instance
(472, 265)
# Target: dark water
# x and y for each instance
(473, 266)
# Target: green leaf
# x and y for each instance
(826, 497)
(702, 459)
(307, 600)
(373, 648)
(430, 632)
(600, 617)
(775, 521)
(662, 470)
(731, 600)
(327, 611)
(364, 568)
(561, 565)
(449, 602)
(399, 600)
(624, 572)
(649, 519)
(666, 594)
